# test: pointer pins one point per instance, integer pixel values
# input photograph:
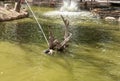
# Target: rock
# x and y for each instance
(110, 19)
(119, 19)
(7, 6)
(11, 14)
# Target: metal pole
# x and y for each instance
(37, 22)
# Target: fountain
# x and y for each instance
(70, 9)
(70, 6)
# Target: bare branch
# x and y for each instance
(66, 40)
(66, 22)
(51, 38)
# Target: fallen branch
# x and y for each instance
(54, 44)
(66, 22)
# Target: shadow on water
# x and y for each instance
(27, 31)
(91, 36)
(21, 31)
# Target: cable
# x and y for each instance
(37, 22)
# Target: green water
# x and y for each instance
(93, 54)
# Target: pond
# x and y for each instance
(93, 54)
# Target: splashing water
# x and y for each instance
(70, 6)
(70, 9)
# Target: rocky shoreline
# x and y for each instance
(10, 14)
(106, 13)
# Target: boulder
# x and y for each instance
(119, 19)
(110, 18)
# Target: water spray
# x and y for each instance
(40, 27)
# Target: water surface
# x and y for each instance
(93, 54)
